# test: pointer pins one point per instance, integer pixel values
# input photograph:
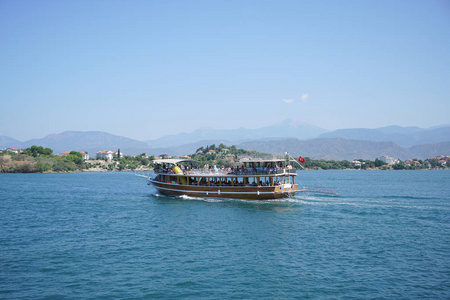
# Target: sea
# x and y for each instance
(111, 236)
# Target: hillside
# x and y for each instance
(430, 150)
(367, 143)
(403, 136)
(330, 149)
(339, 149)
(90, 141)
(285, 129)
(6, 141)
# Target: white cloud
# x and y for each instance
(304, 97)
(288, 100)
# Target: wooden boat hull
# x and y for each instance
(233, 192)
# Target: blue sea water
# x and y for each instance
(110, 236)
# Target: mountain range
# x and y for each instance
(403, 136)
(289, 136)
(288, 128)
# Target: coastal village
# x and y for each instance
(39, 160)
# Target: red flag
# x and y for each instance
(301, 160)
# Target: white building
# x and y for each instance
(389, 160)
(14, 150)
(356, 163)
(108, 155)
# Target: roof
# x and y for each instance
(261, 160)
(173, 161)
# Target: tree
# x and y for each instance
(36, 151)
(200, 149)
(233, 149)
(433, 162)
(379, 163)
(398, 166)
(75, 157)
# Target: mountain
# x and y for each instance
(8, 142)
(330, 149)
(403, 136)
(430, 150)
(90, 141)
(288, 136)
(288, 128)
(340, 149)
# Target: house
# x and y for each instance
(14, 150)
(411, 162)
(117, 154)
(85, 155)
(105, 154)
(356, 163)
(165, 156)
(224, 151)
(389, 160)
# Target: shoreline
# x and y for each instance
(150, 169)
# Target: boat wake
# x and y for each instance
(292, 200)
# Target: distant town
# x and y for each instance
(37, 159)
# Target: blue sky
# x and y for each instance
(144, 69)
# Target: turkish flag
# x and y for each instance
(301, 159)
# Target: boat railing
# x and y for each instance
(208, 172)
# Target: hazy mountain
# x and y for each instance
(288, 136)
(403, 136)
(91, 141)
(330, 149)
(8, 142)
(286, 129)
(339, 149)
(430, 150)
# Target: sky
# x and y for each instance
(145, 69)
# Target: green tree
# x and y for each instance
(75, 157)
(47, 151)
(379, 163)
(200, 149)
(433, 162)
(36, 151)
(398, 166)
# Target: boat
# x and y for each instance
(253, 178)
